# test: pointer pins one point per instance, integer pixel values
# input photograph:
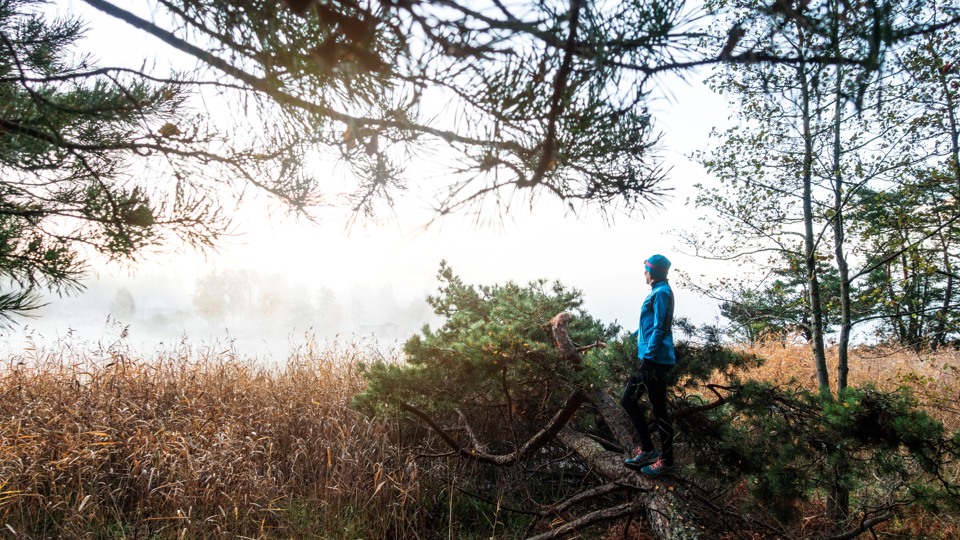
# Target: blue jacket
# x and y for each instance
(654, 336)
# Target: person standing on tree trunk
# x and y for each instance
(656, 358)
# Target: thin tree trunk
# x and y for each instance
(912, 299)
(954, 126)
(838, 504)
(810, 252)
(899, 329)
(940, 337)
(923, 322)
(843, 268)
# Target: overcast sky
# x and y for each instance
(378, 271)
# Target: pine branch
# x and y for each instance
(547, 158)
(542, 437)
(267, 87)
(721, 399)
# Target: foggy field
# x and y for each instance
(198, 443)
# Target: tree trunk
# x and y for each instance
(665, 510)
(810, 248)
(912, 300)
(838, 503)
(843, 268)
(940, 337)
(615, 418)
(838, 506)
(899, 329)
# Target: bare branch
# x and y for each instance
(598, 344)
(559, 420)
(689, 411)
(864, 526)
(599, 491)
(561, 337)
(607, 514)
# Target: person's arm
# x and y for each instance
(661, 306)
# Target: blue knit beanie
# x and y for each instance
(658, 266)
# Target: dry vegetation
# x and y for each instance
(196, 443)
(933, 377)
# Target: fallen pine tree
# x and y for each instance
(504, 385)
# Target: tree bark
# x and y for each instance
(940, 338)
(839, 236)
(666, 512)
(814, 307)
(954, 124)
(838, 502)
(614, 417)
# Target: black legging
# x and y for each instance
(652, 380)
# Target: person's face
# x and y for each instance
(647, 278)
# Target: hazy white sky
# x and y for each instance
(398, 257)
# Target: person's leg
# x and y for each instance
(630, 401)
(656, 385)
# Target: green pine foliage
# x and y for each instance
(112, 162)
(66, 139)
(791, 445)
(493, 357)
(492, 365)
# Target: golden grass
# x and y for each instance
(196, 443)
(933, 377)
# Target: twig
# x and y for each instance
(585, 348)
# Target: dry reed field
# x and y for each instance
(196, 443)
(933, 377)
